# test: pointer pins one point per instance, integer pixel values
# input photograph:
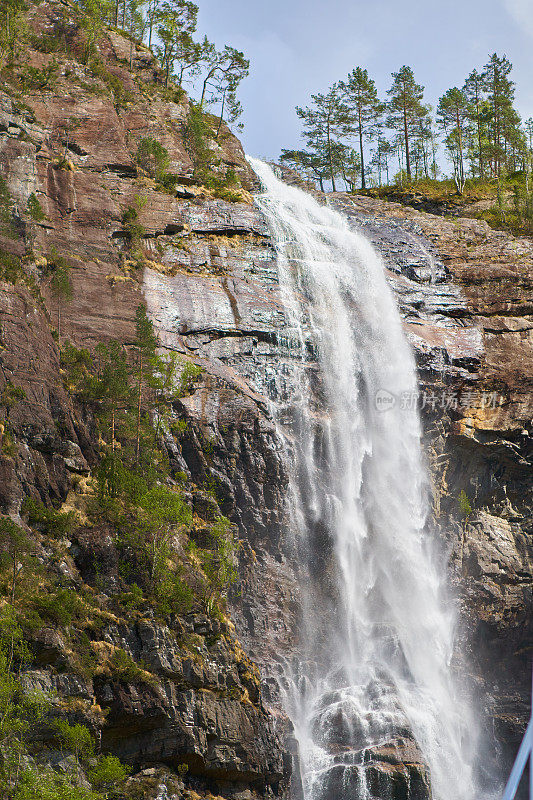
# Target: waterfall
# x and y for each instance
(376, 643)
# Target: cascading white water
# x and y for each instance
(378, 628)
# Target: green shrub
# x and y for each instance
(133, 599)
(59, 268)
(34, 208)
(86, 657)
(152, 157)
(109, 774)
(225, 186)
(60, 607)
(10, 267)
(133, 230)
(59, 39)
(218, 562)
(77, 365)
(228, 195)
(231, 178)
(121, 96)
(54, 523)
(124, 668)
(197, 135)
(8, 444)
(39, 79)
(174, 595)
(179, 427)
(131, 226)
(46, 42)
(11, 395)
(12, 643)
(190, 372)
(167, 181)
(464, 504)
(172, 94)
(77, 739)
(6, 218)
(38, 784)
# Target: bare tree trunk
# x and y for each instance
(406, 137)
(221, 113)
(363, 183)
(14, 579)
(330, 158)
(460, 141)
(113, 429)
(204, 86)
(138, 437)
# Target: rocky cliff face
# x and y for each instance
(207, 272)
(195, 709)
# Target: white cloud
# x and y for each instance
(522, 13)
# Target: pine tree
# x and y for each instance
(225, 70)
(111, 386)
(473, 90)
(405, 108)
(503, 119)
(189, 57)
(12, 29)
(133, 22)
(381, 157)
(145, 344)
(153, 10)
(528, 139)
(176, 24)
(324, 123)
(361, 97)
(310, 165)
(452, 118)
(60, 286)
(95, 14)
(349, 164)
(422, 143)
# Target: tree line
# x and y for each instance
(353, 134)
(168, 27)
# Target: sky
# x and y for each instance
(300, 47)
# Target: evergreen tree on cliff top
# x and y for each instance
(325, 122)
(452, 118)
(177, 23)
(503, 121)
(311, 164)
(361, 97)
(406, 109)
(473, 91)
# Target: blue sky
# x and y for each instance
(298, 47)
